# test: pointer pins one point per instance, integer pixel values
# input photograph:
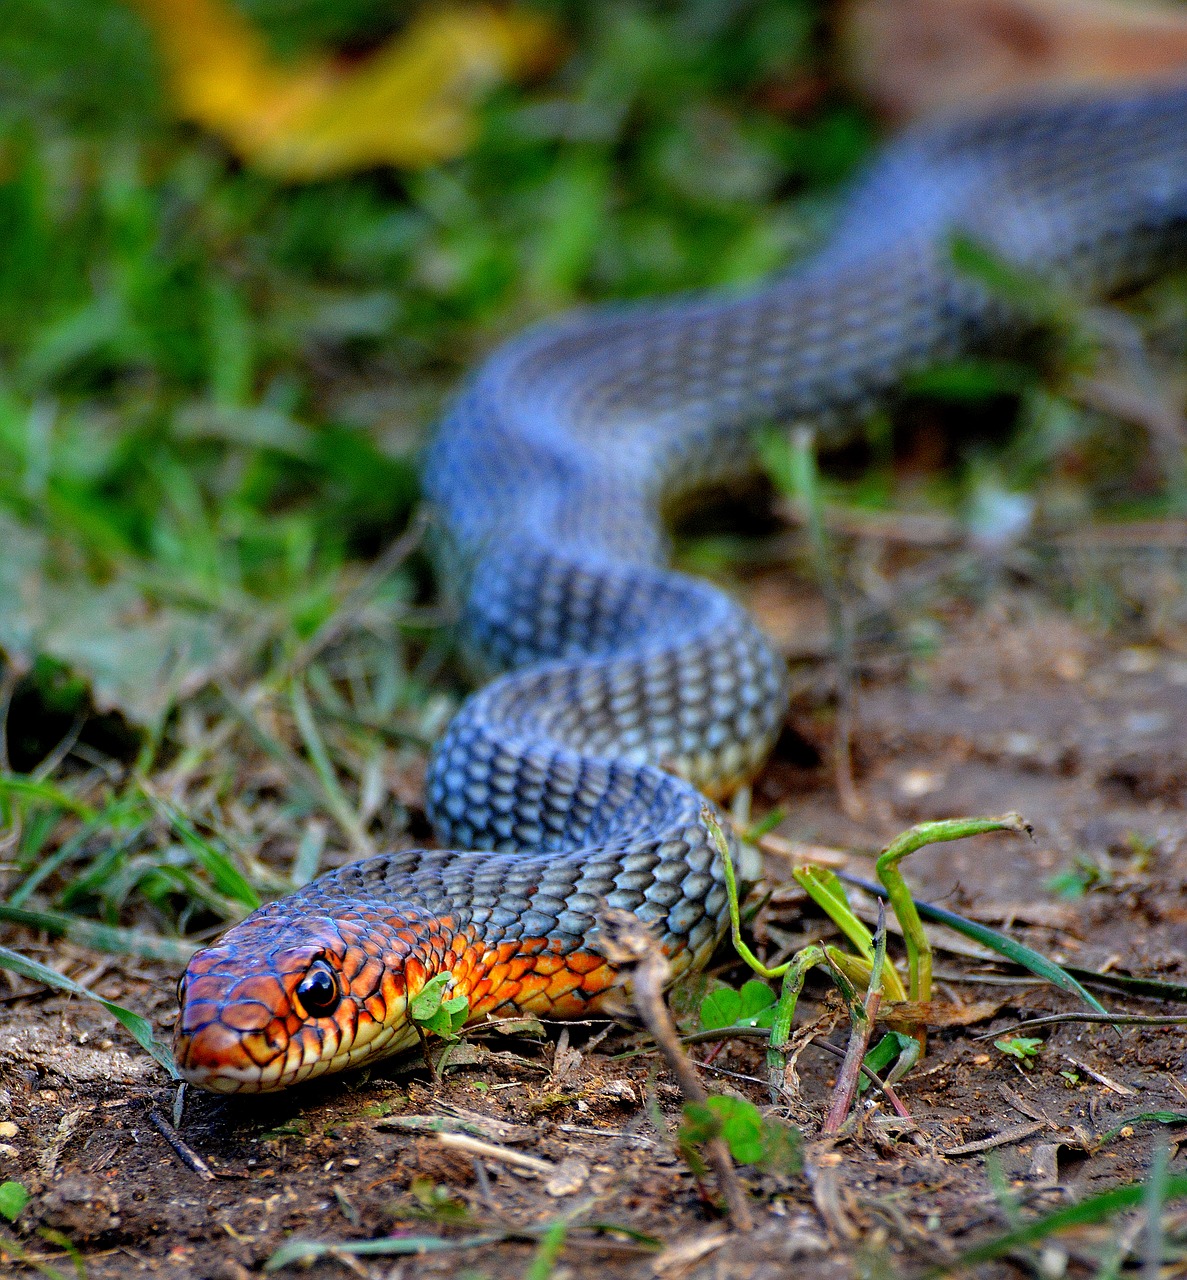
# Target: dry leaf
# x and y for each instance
(137, 657)
(409, 104)
(940, 1013)
(917, 57)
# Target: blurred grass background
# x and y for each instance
(213, 386)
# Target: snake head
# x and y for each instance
(276, 1001)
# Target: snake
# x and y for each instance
(621, 697)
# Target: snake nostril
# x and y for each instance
(318, 990)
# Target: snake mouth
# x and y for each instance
(217, 1063)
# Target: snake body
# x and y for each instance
(574, 779)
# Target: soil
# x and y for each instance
(1014, 707)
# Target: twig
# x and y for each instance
(1113, 1086)
(428, 1056)
(764, 1033)
(801, 854)
(627, 943)
(190, 1158)
(905, 528)
(489, 1151)
(862, 1024)
(1014, 1134)
(1108, 1019)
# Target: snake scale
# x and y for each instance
(575, 778)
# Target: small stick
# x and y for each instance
(764, 1033)
(863, 1017)
(1108, 1019)
(189, 1157)
(629, 944)
(489, 1151)
(428, 1054)
(1015, 1133)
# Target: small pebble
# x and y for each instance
(619, 1090)
(920, 782)
(1138, 661)
(571, 1175)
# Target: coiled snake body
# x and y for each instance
(572, 779)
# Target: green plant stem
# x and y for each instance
(793, 984)
(731, 887)
(1095, 1209)
(825, 889)
(1018, 954)
(919, 954)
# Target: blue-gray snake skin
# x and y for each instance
(629, 688)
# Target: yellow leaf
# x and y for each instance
(409, 104)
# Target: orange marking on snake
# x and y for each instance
(562, 983)
(531, 984)
(595, 981)
(247, 1015)
(414, 975)
(569, 1006)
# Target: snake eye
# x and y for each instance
(318, 990)
(181, 990)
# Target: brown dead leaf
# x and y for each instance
(918, 57)
(941, 1013)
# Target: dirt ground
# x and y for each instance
(1014, 707)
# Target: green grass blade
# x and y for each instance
(227, 877)
(306, 1251)
(45, 792)
(114, 940)
(1014, 951)
(335, 798)
(14, 1247)
(1144, 1117)
(1154, 987)
(136, 1025)
(823, 887)
(548, 1251)
(1095, 1209)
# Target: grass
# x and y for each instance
(213, 388)
(223, 656)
